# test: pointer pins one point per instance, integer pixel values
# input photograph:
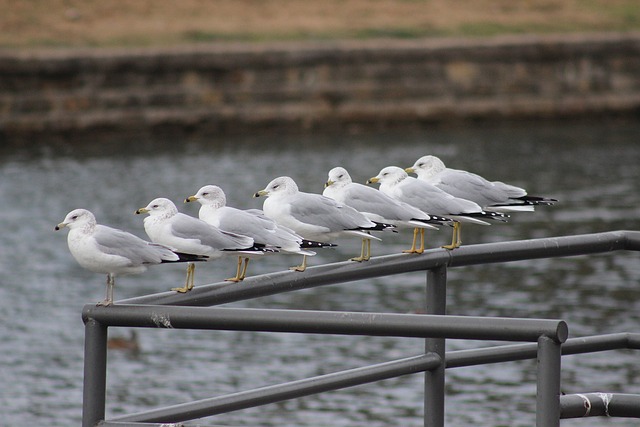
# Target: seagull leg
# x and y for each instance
(455, 240)
(109, 300)
(244, 270)
(189, 282)
(413, 244)
(301, 267)
(239, 275)
(368, 257)
(363, 249)
(421, 250)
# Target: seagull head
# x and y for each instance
(338, 176)
(77, 218)
(160, 207)
(426, 166)
(390, 175)
(209, 195)
(280, 186)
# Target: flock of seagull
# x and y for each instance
(295, 222)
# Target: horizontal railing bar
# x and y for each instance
(285, 281)
(514, 352)
(600, 405)
(327, 322)
(286, 391)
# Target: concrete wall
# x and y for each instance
(338, 86)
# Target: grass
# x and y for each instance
(46, 23)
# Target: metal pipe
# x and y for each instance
(328, 322)
(95, 373)
(548, 383)
(290, 390)
(434, 393)
(600, 404)
(269, 284)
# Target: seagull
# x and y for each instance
(316, 217)
(494, 195)
(184, 233)
(395, 182)
(103, 249)
(253, 223)
(377, 206)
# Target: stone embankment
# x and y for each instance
(338, 86)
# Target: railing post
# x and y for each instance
(434, 379)
(548, 387)
(95, 373)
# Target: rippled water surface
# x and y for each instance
(592, 168)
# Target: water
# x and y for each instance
(592, 168)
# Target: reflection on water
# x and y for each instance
(591, 168)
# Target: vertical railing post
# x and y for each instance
(95, 373)
(548, 384)
(436, 303)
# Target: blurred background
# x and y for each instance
(107, 105)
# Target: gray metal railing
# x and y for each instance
(547, 338)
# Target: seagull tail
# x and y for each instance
(183, 257)
(537, 200)
(309, 244)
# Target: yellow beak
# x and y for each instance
(190, 199)
(372, 180)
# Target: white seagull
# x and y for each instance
(253, 223)
(395, 182)
(494, 195)
(184, 233)
(377, 206)
(315, 217)
(115, 252)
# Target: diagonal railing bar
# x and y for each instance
(285, 281)
(281, 392)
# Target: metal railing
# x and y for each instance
(546, 339)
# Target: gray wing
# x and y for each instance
(433, 200)
(118, 242)
(369, 200)
(187, 227)
(470, 186)
(254, 225)
(325, 212)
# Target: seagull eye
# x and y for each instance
(74, 217)
(205, 194)
(155, 206)
(275, 186)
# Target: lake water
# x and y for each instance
(591, 167)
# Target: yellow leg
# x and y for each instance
(413, 244)
(365, 251)
(421, 250)
(301, 267)
(244, 270)
(238, 277)
(190, 279)
(455, 239)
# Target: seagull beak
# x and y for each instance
(410, 170)
(261, 193)
(373, 180)
(60, 226)
(190, 199)
(328, 183)
(142, 210)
